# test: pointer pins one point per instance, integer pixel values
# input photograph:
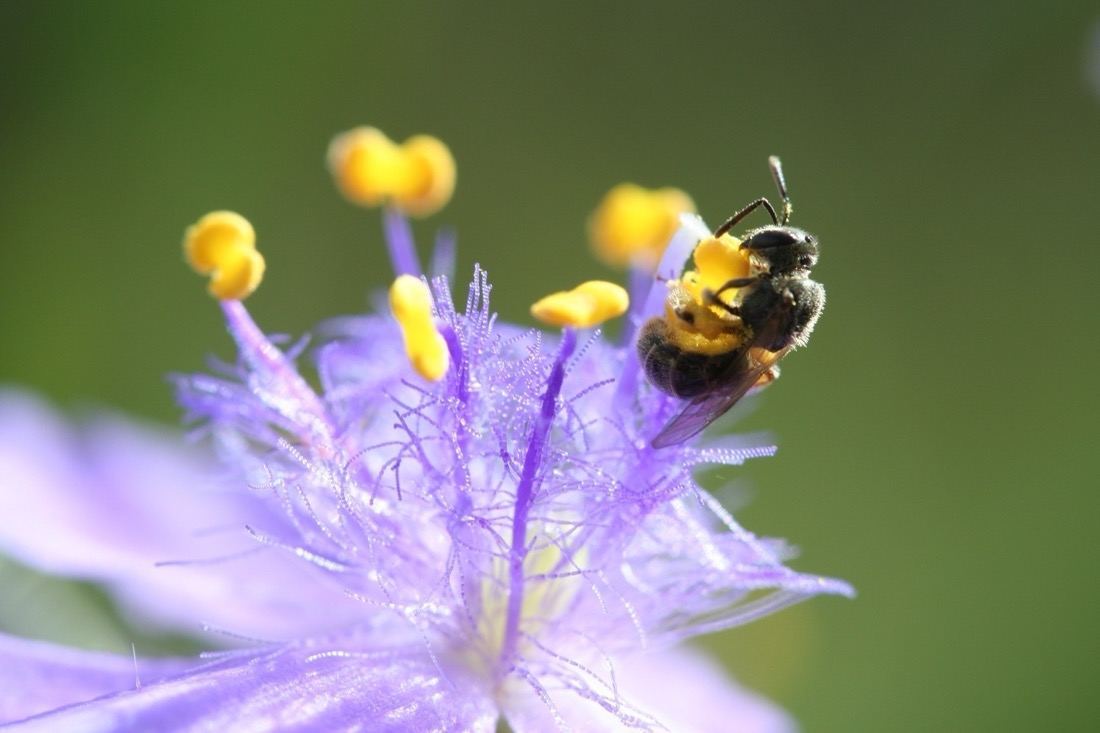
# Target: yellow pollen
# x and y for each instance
(633, 224)
(417, 176)
(222, 244)
(411, 302)
(717, 261)
(711, 329)
(588, 304)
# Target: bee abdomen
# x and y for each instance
(677, 372)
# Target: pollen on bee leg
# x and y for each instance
(634, 224)
(589, 304)
(222, 244)
(718, 262)
(411, 302)
(417, 176)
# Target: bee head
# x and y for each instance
(781, 250)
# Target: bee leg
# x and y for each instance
(686, 316)
(710, 297)
(737, 282)
(766, 378)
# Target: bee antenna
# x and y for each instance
(781, 184)
(785, 213)
(732, 221)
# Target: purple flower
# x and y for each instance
(402, 555)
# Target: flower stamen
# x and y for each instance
(411, 302)
(589, 304)
(222, 244)
(526, 492)
(633, 224)
(417, 176)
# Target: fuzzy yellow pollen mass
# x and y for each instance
(717, 261)
(411, 302)
(588, 304)
(222, 244)
(417, 176)
(633, 224)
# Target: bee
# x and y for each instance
(715, 344)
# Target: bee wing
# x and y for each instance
(705, 409)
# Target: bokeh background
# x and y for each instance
(937, 440)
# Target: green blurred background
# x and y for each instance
(937, 441)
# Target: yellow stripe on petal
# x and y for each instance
(411, 302)
(589, 304)
(222, 245)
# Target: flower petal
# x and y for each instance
(294, 688)
(36, 677)
(688, 691)
(110, 502)
(680, 690)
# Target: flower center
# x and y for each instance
(551, 582)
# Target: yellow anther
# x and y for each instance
(633, 224)
(432, 177)
(588, 304)
(717, 261)
(222, 244)
(411, 302)
(417, 176)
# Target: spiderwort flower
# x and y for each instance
(457, 522)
